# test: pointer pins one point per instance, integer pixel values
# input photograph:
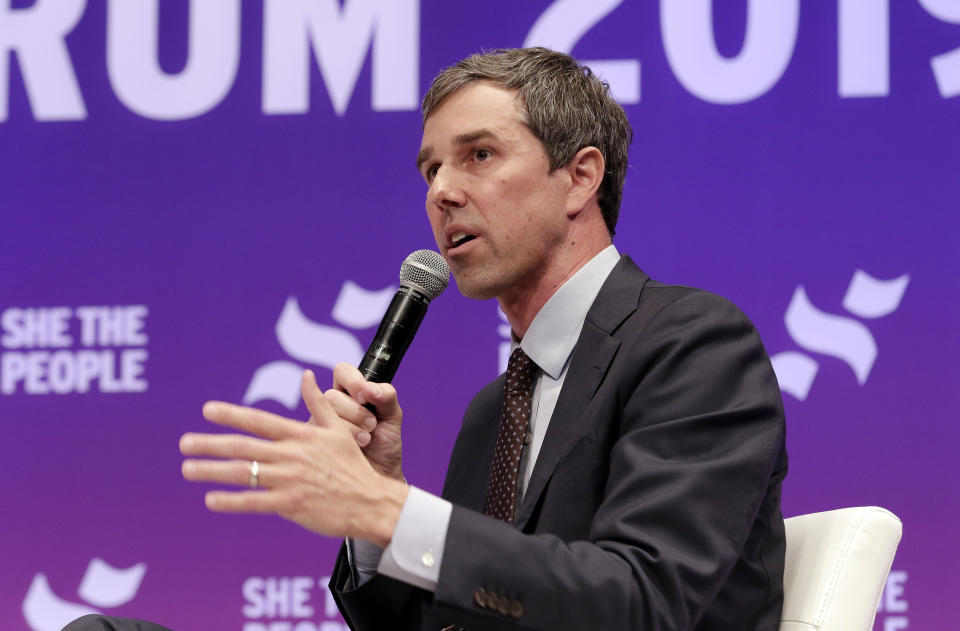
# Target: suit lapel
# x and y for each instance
(587, 372)
(591, 358)
(466, 482)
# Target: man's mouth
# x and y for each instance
(459, 238)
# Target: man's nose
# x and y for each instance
(446, 191)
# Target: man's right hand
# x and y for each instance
(378, 435)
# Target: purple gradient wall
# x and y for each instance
(192, 187)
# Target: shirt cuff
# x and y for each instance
(415, 552)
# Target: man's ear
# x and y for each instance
(586, 170)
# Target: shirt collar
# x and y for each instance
(556, 327)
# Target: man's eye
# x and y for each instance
(480, 154)
(432, 172)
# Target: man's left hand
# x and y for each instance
(313, 474)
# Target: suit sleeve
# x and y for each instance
(380, 603)
(690, 416)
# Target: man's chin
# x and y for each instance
(476, 288)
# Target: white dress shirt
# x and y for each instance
(415, 553)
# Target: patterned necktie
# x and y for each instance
(501, 501)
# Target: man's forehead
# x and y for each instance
(479, 104)
(480, 110)
(481, 94)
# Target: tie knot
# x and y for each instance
(520, 370)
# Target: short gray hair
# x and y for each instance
(562, 102)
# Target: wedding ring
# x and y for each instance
(254, 474)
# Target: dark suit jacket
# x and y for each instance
(654, 503)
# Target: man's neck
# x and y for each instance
(521, 304)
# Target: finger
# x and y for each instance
(244, 501)
(320, 410)
(349, 410)
(383, 397)
(363, 437)
(356, 418)
(380, 395)
(236, 472)
(347, 378)
(236, 446)
(251, 420)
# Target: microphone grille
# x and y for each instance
(427, 271)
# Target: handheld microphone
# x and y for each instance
(423, 276)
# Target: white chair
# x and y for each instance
(836, 567)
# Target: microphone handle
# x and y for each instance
(396, 331)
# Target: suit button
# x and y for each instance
(516, 608)
(480, 597)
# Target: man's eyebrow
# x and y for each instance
(466, 139)
(423, 156)
(462, 139)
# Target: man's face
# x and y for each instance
(497, 212)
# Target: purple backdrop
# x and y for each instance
(202, 200)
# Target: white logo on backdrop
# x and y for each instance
(893, 611)
(102, 586)
(837, 336)
(293, 603)
(319, 344)
(63, 350)
(338, 37)
(503, 354)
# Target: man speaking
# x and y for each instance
(625, 471)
